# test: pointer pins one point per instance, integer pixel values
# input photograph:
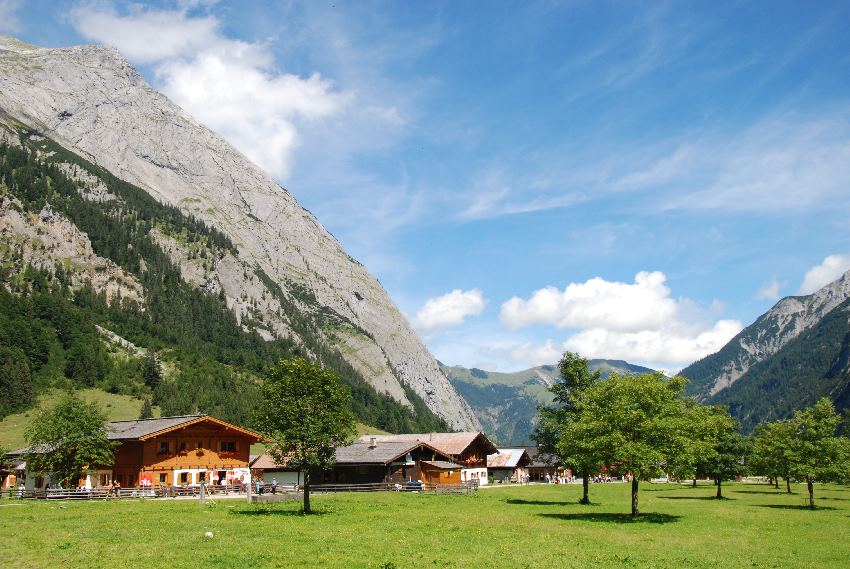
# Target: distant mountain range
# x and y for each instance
(792, 355)
(506, 403)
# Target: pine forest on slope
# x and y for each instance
(59, 331)
(792, 355)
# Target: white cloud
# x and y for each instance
(821, 275)
(231, 86)
(9, 22)
(674, 345)
(639, 322)
(644, 304)
(770, 291)
(448, 311)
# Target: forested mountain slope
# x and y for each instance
(789, 357)
(88, 291)
(506, 403)
(262, 255)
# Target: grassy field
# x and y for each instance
(537, 526)
(116, 407)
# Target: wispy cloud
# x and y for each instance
(448, 311)
(9, 22)
(769, 291)
(232, 86)
(832, 268)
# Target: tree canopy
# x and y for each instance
(629, 422)
(68, 440)
(568, 391)
(305, 411)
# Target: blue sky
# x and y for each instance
(628, 180)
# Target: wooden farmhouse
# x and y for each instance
(170, 451)
(371, 461)
(469, 449)
(542, 464)
(508, 465)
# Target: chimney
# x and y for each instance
(372, 443)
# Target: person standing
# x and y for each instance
(274, 485)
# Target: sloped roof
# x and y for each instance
(539, 459)
(362, 452)
(450, 443)
(508, 458)
(443, 465)
(142, 429)
(124, 430)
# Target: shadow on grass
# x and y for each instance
(793, 507)
(771, 492)
(518, 502)
(275, 512)
(709, 498)
(615, 518)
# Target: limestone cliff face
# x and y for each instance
(90, 100)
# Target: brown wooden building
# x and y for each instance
(469, 449)
(370, 462)
(172, 451)
(509, 465)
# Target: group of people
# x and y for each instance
(261, 487)
(559, 478)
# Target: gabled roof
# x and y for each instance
(144, 429)
(508, 458)
(382, 452)
(453, 444)
(539, 459)
(443, 465)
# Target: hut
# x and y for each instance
(508, 465)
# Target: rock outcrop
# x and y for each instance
(90, 100)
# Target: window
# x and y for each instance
(184, 478)
(162, 478)
(163, 447)
(198, 446)
(228, 446)
(182, 446)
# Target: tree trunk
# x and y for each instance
(694, 484)
(307, 509)
(811, 492)
(719, 492)
(776, 482)
(635, 510)
(585, 487)
(787, 484)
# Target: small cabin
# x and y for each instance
(508, 465)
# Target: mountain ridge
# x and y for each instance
(506, 403)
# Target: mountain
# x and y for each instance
(229, 230)
(789, 357)
(506, 403)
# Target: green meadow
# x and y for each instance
(505, 527)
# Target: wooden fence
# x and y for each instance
(237, 489)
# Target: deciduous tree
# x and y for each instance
(575, 378)
(634, 423)
(306, 413)
(67, 440)
(817, 454)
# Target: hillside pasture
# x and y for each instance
(536, 526)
